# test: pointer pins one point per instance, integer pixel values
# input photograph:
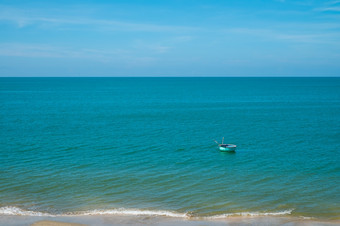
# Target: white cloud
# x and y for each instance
(48, 51)
(329, 9)
(119, 57)
(33, 17)
(334, 2)
(312, 37)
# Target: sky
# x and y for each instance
(169, 38)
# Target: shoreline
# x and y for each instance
(104, 220)
(13, 216)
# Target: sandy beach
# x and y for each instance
(55, 223)
(150, 220)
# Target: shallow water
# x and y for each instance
(130, 145)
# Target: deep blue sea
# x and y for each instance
(145, 145)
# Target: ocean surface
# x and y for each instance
(144, 146)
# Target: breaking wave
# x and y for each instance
(132, 212)
(251, 214)
(15, 211)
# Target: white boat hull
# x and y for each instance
(229, 148)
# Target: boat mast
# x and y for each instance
(222, 140)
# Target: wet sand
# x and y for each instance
(55, 223)
(106, 220)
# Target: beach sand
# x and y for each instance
(55, 223)
(106, 220)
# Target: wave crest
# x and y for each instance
(252, 214)
(133, 212)
(16, 211)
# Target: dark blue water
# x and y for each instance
(94, 145)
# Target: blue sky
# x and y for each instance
(170, 38)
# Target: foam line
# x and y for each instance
(251, 214)
(15, 211)
(134, 212)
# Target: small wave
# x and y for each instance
(10, 210)
(251, 214)
(16, 211)
(133, 212)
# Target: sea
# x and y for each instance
(145, 146)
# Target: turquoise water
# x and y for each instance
(145, 145)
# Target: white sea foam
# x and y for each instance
(134, 212)
(251, 214)
(12, 210)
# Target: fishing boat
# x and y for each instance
(226, 147)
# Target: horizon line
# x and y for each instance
(195, 76)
